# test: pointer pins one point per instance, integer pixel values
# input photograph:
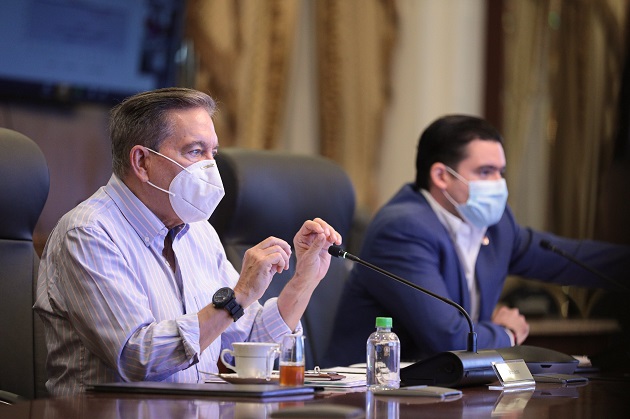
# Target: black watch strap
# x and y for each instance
(235, 309)
(225, 298)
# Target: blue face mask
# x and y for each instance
(486, 200)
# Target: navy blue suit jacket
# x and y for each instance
(406, 238)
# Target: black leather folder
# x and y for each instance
(203, 389)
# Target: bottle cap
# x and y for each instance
(384, 322)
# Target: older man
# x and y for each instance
(134, 283)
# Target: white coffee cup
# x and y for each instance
(252, 359)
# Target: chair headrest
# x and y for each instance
(24, 185)
(283, 190)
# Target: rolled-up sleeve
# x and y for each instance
(261, 324)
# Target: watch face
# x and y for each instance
(222, 295)
(224, 298)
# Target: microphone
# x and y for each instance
(547, 245)
(449, 369)
(472, 336)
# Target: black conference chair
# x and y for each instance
(272, 193)
(24, 185)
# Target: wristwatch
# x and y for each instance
(224, 298)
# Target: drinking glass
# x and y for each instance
(292, 360)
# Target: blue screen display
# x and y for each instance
(87, 50)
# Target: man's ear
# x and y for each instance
(139, 162)
(438, 175)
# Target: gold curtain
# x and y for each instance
(564, 61)
(585, 91)
(355, 40)
(526, 108)
(245, 51)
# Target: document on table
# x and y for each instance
(353, 377)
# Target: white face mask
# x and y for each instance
(486, 200)
(196, 191)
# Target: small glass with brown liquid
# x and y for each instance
(292, 360)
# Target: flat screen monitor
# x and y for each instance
(87, 50)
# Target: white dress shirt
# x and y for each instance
(114, 310)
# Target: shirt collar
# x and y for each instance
(146, 224)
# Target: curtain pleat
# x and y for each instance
(245, 52)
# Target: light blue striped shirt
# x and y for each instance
(114, 310)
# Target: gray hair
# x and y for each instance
(144, 119)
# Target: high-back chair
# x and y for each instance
(272, 193)
(24, 184)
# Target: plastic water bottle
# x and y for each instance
(383, 357)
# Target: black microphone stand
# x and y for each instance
(472, 336)
(452, 368)
(546, 244)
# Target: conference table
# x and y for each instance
(600, 397)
